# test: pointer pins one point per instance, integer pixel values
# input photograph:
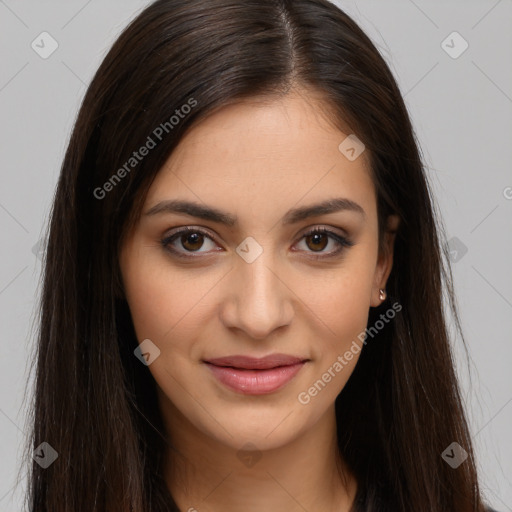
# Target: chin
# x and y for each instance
(264, 431)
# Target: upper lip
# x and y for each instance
(255, 363)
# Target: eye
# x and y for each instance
(187, 240)
(192, 240)
(318, 239)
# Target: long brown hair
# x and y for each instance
(94, 402)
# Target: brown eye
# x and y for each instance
(187, 241)
(317, 241)
(192, 241)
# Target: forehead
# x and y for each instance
(265, 154)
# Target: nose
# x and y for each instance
(258, 301)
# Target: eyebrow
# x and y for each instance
(291, 217)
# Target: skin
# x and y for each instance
(256, 160)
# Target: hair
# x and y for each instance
(94, 402)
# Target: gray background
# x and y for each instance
(461, 108)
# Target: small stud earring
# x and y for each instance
(382, 294)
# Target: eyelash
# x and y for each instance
(343, 242)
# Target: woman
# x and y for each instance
(242, 302)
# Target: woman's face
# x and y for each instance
(250, 279)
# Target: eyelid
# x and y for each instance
(324, 227)
(186, 229)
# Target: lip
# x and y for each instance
(255, 376)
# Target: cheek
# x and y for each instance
(341, 299)
(342, 310)
(162, 302)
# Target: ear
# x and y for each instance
(385, 260)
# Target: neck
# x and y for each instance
(307, 473)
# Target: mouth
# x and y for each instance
(255, 376)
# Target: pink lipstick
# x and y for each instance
(255, 376)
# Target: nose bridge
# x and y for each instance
(259, 300)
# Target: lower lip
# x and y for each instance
(255, 382)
